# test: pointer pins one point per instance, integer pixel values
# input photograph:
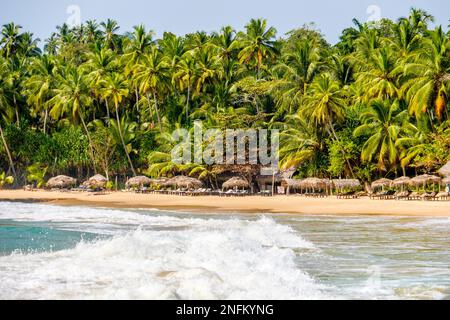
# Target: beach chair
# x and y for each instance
(428, 196)
(415, 196)
(402, 195)
(442, 196)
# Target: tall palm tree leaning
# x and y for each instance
(116, 89)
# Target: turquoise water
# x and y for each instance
(34, 237)
(54, 252)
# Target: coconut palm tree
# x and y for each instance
(381, 75)
(428, 75)
(382, 123)
(110, 28)
(186, 76)
(40, 85)
(10, 38)
(101, 63)
(115, 89)
(152, 74)
(71, 98)
(256, 44)
(324, 106)
(5, 112)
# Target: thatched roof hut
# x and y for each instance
(346, 183)
(445, 170)
(401, 181)
(61, 182)
(292, 183)
(97, 181)
(315, 183)
(236, 182)
(381, 183)
(184, 182)
(139, 181)
(424, 179)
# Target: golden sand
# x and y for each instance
(254, 204)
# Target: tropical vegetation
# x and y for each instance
(95, 100)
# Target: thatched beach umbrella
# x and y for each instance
(61, 182)
(346, 183)
(236, 182)
(424, 179)
(139, 181)
(445, 170)
(381, 183)
(289, 184)
(184, 182)
(315, 184)
(401, 182)
(97, 181)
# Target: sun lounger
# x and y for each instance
(442, 196)
(402, 195)
(429, 196)
(415, 196)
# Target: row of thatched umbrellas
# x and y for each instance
(416, 181)
(99, 181)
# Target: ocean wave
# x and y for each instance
(156, 259)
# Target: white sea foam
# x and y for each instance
(162, 257)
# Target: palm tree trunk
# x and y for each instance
(107, 111)
(5, 144)
(45, 120)
(123, 141)
(187, 102)
(89, 140)
(17, 111)
(157, 111)
(137, 104)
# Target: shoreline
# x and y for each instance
(254, 204)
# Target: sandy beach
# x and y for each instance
(278, 205)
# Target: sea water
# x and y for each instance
(56, 252)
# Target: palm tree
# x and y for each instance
(383, 124)
(428, 76)
(324, 106)
(101, 63)
(257, 44)
(298, 68)
(10, 38)
(5, 110)
(299, 143)
(186, 74)
(115, 90)
(110, 27)
(41, 83)
(152, 74)
(72, 98)
(381, 75)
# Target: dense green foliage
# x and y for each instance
(375, 104)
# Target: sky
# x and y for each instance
(185, 16)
